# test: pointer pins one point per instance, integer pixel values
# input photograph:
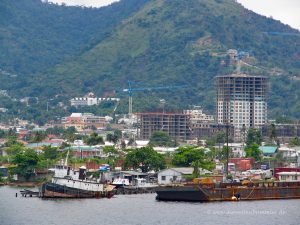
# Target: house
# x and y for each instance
(85, 151)
(237, 149)
(268, 150)
(288, 153)
(177, 175)
(82, 121)
(130, 175)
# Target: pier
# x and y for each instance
(29, 193)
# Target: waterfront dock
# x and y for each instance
(134, 190)
(29, 193)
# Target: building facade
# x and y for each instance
(283, 132)
(90, 100)
(82, 121)
(241, 101)
(177, 125)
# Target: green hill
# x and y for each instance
(36, 36)
(175, 42)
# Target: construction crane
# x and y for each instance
(277, 33)
(130, 91)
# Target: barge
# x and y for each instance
(229, 191)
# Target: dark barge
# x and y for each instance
(229, 191)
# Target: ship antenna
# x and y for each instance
(66, 160)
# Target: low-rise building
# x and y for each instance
(86, 151)
(89, 100)
(288, 153)
(177, 175)
(82, 121)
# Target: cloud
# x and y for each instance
(287, 11)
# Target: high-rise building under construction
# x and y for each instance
(241, 101)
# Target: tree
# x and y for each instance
(145, 158)
(273, 133)
(12, 140)
(253, 137)
(187, 156)
(50, 153)
(294, 141)
(160, 138)
(94, 139)
(14, 149)
(112, 138)
(26, 162)
(38, 136)
(110, 150)
(254, 152)
(2, 133)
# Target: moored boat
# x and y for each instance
(230, 191)
(71, 187)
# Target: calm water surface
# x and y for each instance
(142, 209)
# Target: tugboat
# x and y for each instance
(69, 186)
(209, 191)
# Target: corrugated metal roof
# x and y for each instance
(268, 149)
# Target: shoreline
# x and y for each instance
(22, 184)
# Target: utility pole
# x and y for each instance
(227, 148)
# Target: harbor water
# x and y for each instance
(141, 209)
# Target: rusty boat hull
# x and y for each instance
(229, 192)
(52, 190)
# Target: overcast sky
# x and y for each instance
(288, 11)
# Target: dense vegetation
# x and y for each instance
(160, 42)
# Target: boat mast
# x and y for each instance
(66, 160)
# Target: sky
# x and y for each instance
(287, 11)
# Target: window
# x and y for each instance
(174, 178)
(163, 177)
(283, 177)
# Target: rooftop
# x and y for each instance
(268, 149)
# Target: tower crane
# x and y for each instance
(277, 33)
(130, 91)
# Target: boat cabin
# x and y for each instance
(289, 176)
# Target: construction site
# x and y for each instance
(177, 125)
(241, 100)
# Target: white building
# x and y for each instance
(90, 100)
(288, 153)
(197, 116)
(237, 149)
(176, 175)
